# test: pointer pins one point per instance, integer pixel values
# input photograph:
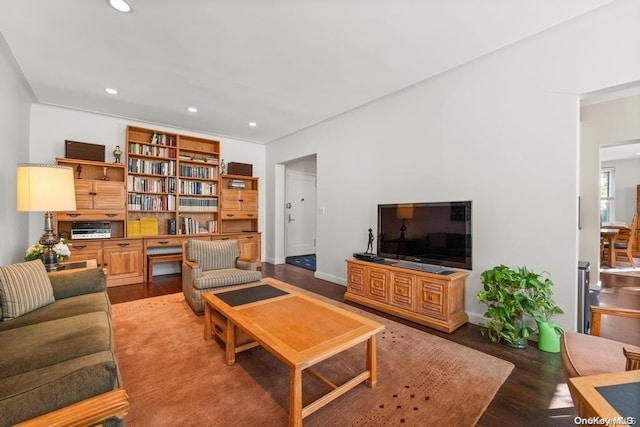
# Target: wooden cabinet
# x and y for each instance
(100, 196)
(239, 204)
(430, 299)
(124, 261)
(250, 246)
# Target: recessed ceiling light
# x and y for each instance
(120, 5)
(253, 124)
(192, 109)
(111, 91)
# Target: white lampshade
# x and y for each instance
(45, 188)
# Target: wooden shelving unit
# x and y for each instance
(172, 178)
(239, 199)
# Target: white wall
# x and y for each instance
(15, 101)
(502, 131)
(627, 178)
(606, 123)
(51, 126)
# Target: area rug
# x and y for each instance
(308, 262)
(174, 377)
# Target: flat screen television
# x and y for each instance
(428, 233)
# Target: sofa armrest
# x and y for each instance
(246, 264)
(77, 282)
(190, 270)
(90, 411)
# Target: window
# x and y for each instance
(607, 194)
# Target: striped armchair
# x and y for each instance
(212, 264)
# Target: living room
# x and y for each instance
(501, 129)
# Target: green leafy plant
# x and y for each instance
(509, 294)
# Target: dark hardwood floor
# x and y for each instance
(535, 393)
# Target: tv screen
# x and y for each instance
(430, 233)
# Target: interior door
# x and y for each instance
(300, 213)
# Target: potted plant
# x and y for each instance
(544, 308)
(509, 294)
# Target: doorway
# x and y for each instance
(300, 213)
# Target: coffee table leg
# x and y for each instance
(230, 343)
(207, 322)
(295, 398)
(372, 362)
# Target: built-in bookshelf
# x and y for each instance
(172, 179)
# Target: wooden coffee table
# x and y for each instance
(297, 329)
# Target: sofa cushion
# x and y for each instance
(24, 287)
(60, 309)
(69, 283)
(47, 343)
(226, 277)
(43, 390)
(214, 254)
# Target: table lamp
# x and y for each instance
(48, 189)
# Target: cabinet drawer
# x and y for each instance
(355, 279)
(377, 285)
(113, 215)
(403, 290)
(226, 214)
(165, 242)
(123, 244)
(431, 299)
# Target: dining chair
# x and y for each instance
(624, 242)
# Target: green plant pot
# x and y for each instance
(549, 337)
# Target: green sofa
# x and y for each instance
(59, 353)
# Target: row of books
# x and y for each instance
(197, 187)
(151, 185)
(151, 166)
(198, 204)
(199, 158)
(151, 150)
(205, 172)
(146, 202)
(162, 139)
(237, 184)
(189, 225)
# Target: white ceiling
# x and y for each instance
(284, 64)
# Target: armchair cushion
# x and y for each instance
(225, 277)
(24, 287)
(213, 255)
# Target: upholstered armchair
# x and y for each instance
(210, 265)
(584, 354)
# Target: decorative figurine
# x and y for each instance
(223, 167)
(370, 244)
(79, 171)
(117, 153)
(104, 174)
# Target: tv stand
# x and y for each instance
(432, 299)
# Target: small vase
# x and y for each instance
(549, 337)
(519, 340)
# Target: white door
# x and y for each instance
(300, 213)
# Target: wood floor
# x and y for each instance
(535, 393)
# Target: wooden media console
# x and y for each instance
(431, 299)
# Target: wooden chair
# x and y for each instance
(625, 239)
(584, 354)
